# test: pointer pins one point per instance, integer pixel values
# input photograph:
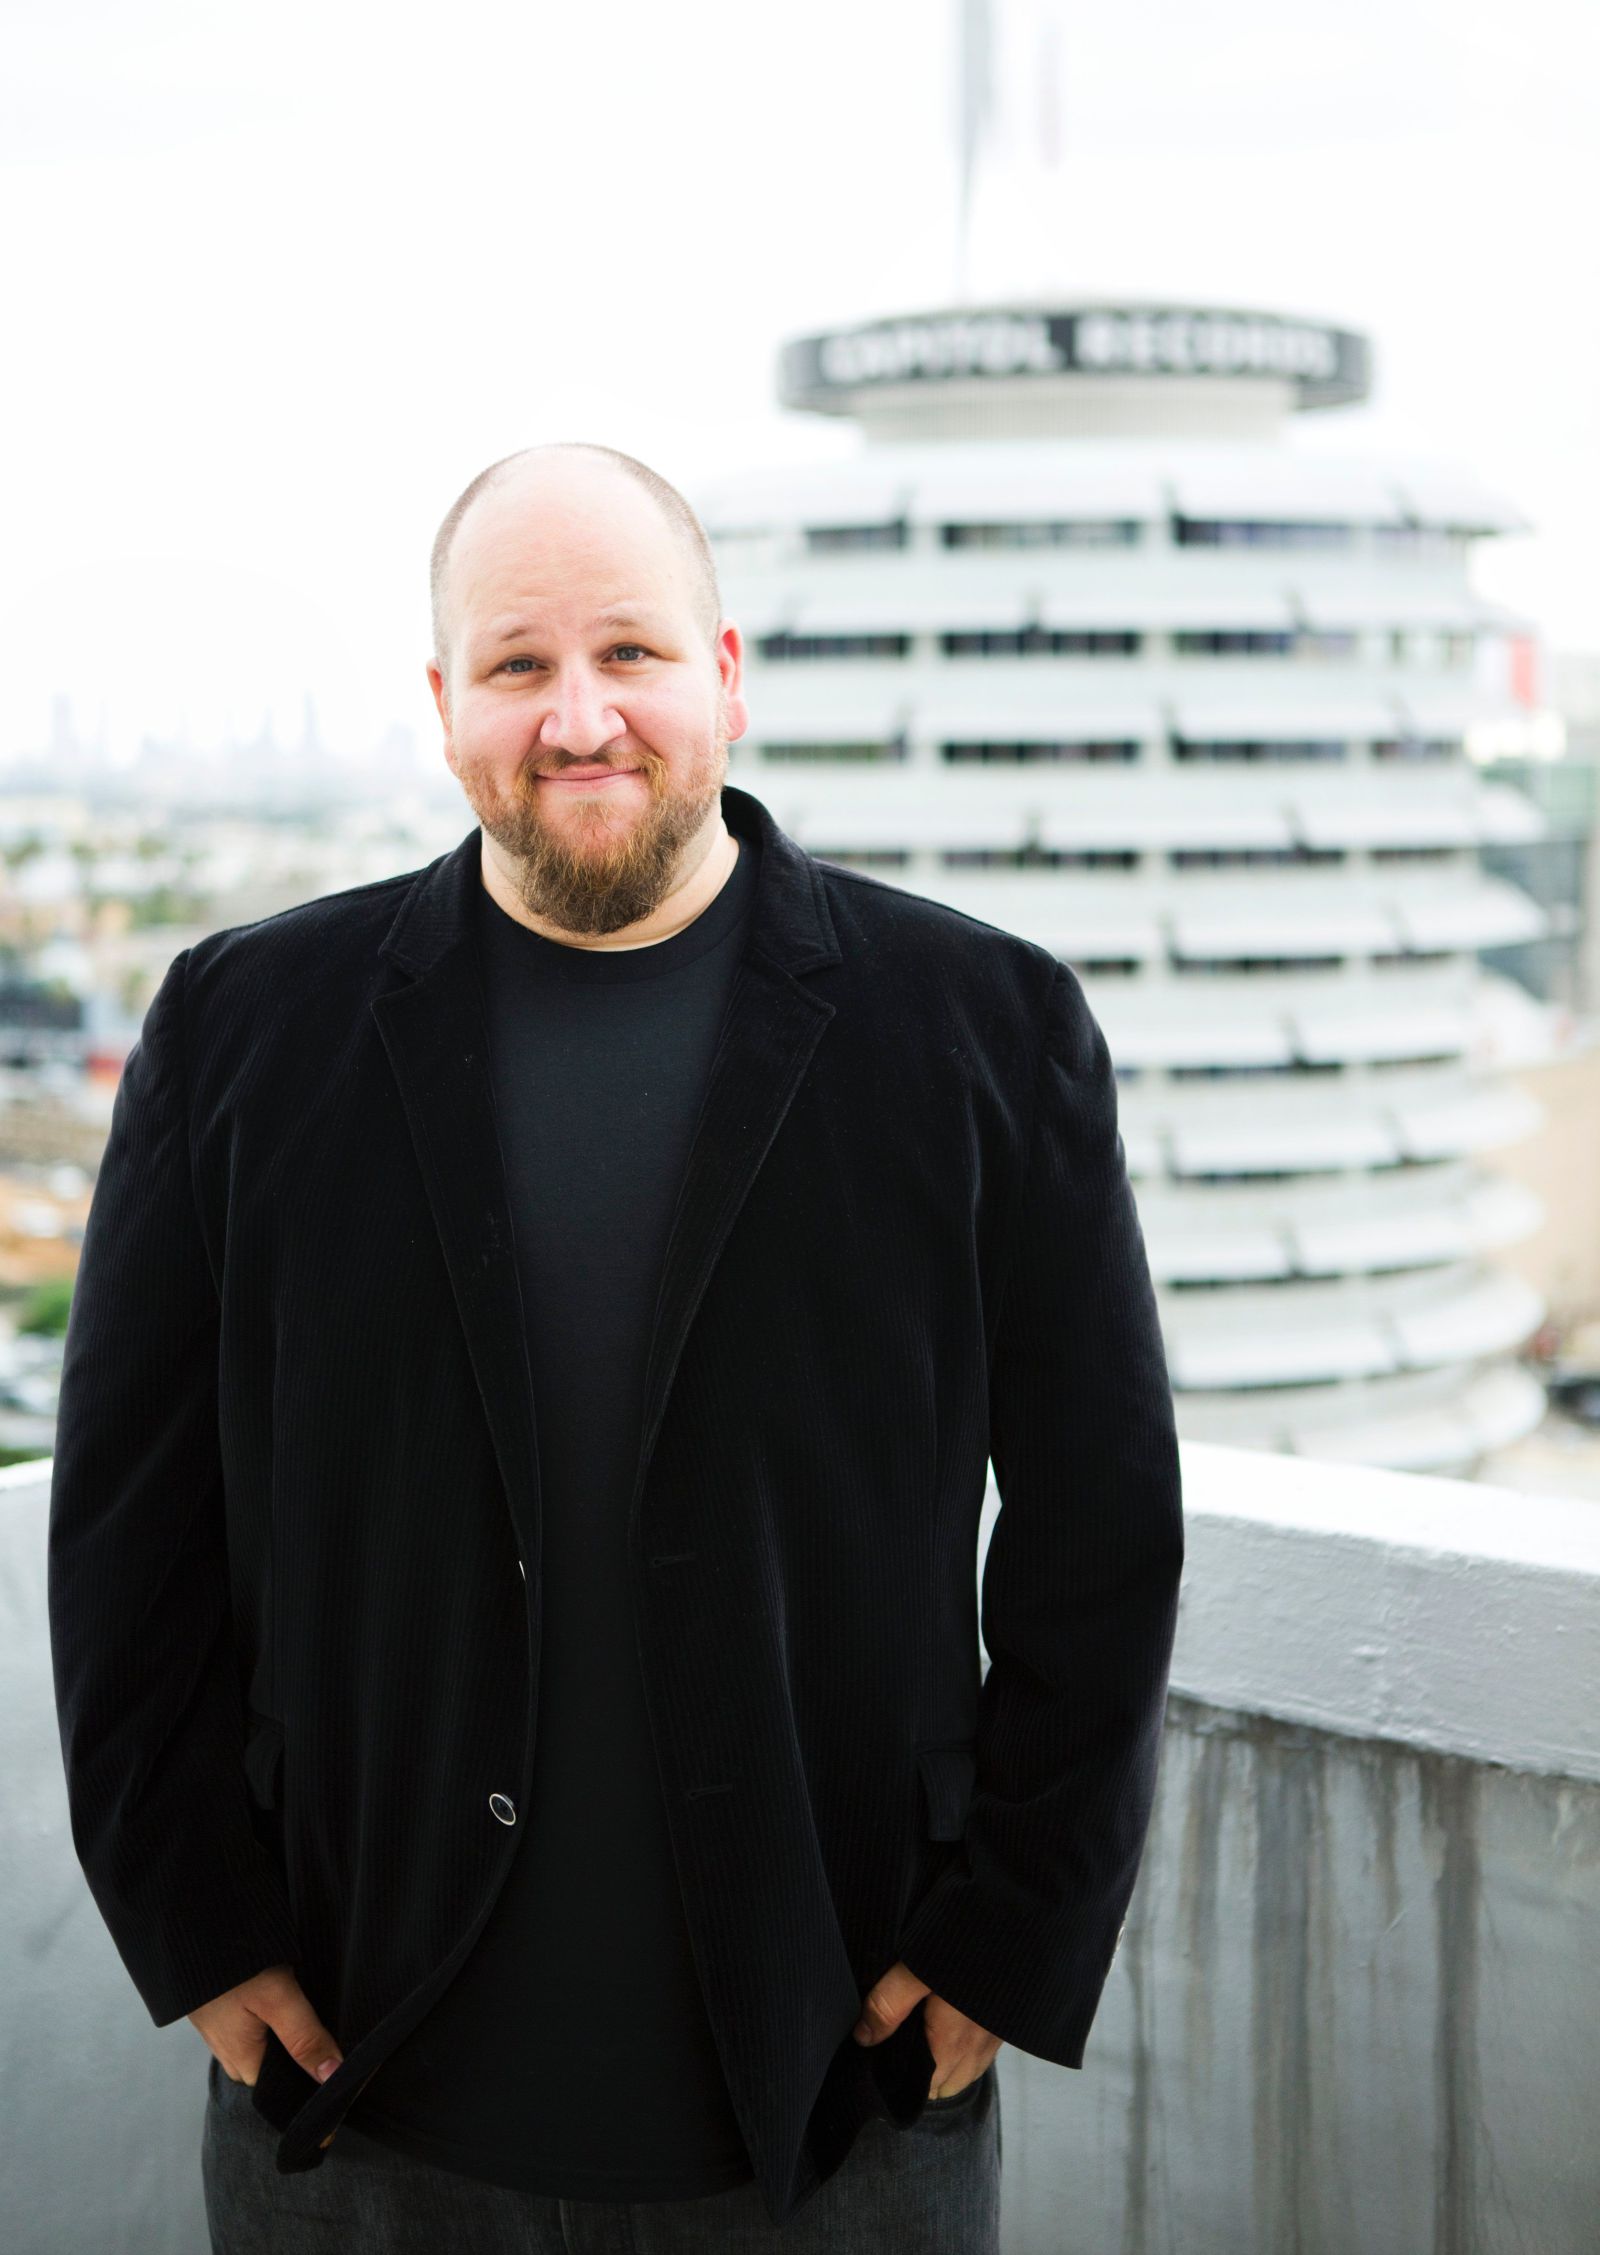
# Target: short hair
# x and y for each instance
(673, 506)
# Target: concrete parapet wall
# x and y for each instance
(1354, 2012)
(1356, 2005)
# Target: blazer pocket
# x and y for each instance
(948, 1775)
(263, 1758)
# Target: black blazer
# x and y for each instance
(294, 1579)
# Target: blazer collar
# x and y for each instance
(790, 923)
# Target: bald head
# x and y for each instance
(522, 470)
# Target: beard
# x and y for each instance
(591, 873)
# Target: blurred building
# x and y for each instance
(1080, 643)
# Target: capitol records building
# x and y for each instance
(1081, 643)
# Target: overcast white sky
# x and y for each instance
(280, 280)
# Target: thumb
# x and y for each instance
(303, 2037)
(887, 2003)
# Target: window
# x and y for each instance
(1233, 642)
(1039, 641)
(984, 749)
(1042, 532)
(1254, 857)
(779, 649)
(1253, 966)
(1254, 532)
(1436, 541)
(833, 540)
(1037, 857)
(1261, 748)
(1276, 642)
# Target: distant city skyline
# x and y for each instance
(293, 758)
(279, 298)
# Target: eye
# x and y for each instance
(639, 646)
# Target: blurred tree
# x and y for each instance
(45, 1309)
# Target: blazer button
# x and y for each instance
(503, 1807)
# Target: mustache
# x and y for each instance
(648, 767)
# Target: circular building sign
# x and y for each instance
(831, 371)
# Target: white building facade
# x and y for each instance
(1079, 643)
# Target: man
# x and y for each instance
(541, 1329)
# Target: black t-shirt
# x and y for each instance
(572, 2054)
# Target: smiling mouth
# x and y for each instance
(590, 776)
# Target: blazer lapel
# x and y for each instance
(772, 1027)
(435, 1032)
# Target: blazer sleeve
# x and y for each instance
(148, 1697)
(1080, 1583)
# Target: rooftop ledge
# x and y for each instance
(1444, 1614)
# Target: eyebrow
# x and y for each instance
(618, 615)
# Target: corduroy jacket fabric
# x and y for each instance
(294, 1578)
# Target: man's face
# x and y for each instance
(585, 711)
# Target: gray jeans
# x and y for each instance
(930, 2189)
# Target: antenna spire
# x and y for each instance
(1009, 101)
(975, 109)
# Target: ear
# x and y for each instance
(441, 697)
(730, 668)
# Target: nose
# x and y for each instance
(580, 719)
